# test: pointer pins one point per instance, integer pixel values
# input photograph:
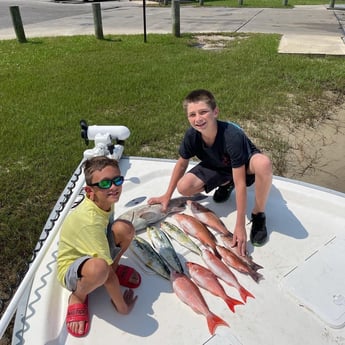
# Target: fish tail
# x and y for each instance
(213, 321)
(245, 293)
(255, 266)
(255, 275)
(232, 302)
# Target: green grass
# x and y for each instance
(48, 85)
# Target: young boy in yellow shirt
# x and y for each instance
(90, 247)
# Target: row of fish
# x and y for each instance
(162, 258)
(197, 227)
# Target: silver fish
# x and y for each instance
(145, 215)
(180, 236)
(164, 248)
(147, 255)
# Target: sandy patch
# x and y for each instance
(320, 159)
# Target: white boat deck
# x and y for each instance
(304, 221)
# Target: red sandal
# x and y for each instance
(78, 312)
(124, 274)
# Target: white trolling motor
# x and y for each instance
(109, 140)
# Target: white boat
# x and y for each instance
(301, 299)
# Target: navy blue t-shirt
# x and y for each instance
(231, 148)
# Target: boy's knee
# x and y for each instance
(123, 229)
(99, 269)
(181, 190)
(262, 165)
(184, 188)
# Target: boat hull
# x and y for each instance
(302, 219)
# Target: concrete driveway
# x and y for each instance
(304, 29)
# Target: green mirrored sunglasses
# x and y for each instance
(106, 184)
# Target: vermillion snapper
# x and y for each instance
(207, 280)
(223, 272)
(190, 294)
(208, 217)
(195, 228)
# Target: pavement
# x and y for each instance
(305, 29)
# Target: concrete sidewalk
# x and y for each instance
(304, 29)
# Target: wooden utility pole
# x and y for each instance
(175, 5)
(97, 19)
(18, 24)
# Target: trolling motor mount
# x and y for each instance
(109, 140)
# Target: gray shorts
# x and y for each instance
(73, 273)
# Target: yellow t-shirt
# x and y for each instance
(83, 233)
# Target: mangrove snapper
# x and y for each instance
(234, 261)
(227, 241)
(190, 294)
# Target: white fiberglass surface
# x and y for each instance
(300, 220)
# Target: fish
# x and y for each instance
(234, 261)
(227, 242)
(223, 272)
(145, 215)
(195, 228)
(207, 280)
(164, 248)
(188, 292)
(179, 236)
(147, 255)
(208, 217)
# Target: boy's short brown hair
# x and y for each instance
(96, 164)
(200, 95)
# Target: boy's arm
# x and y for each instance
(179, 170)
(240, 234)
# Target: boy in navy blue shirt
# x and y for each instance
(228, 160)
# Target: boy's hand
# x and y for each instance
(239, 240)
(129, 298)
(163, 200)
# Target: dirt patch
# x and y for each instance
(317, 154)
(215, 42)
